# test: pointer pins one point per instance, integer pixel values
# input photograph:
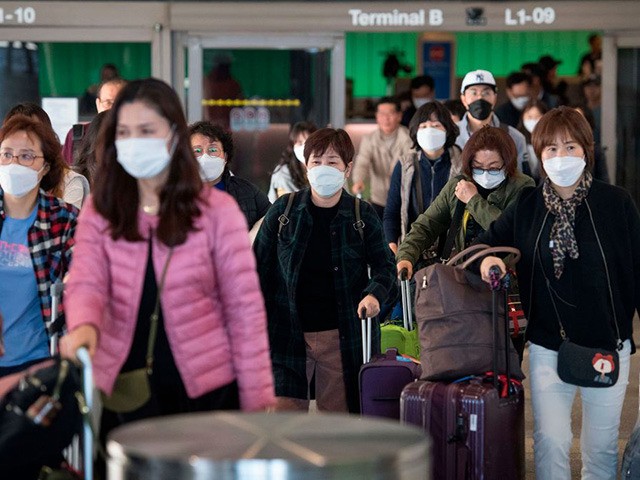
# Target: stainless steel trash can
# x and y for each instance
(263, 446)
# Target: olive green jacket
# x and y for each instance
(437, 218)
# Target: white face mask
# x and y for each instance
(326, 181)
(18, 180)
(564, 171)
(519, 102)
(298, 151)
(144, 157)
(418, 102)
(211, 167)
(530, 124)
(431, 139)
(489, 180)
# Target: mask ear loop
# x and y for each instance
(174, 142)
(45, 167)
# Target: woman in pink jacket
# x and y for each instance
(154, 239)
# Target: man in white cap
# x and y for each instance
(478, 95)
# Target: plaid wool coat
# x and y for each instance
(51, 243)
(279, 259)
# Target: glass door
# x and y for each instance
(257, 87)
(628, 121)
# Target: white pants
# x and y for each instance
(552, 401)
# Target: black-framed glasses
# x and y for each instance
(26, 159)
(493, 171)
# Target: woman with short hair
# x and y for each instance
(579, 279)
(313, 250)
(213, 147)
(489, 183)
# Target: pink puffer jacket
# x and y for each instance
(213, 308)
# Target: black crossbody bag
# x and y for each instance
(578, 365)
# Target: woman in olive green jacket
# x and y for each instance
(490, 182)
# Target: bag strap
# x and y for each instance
(359, 225)
(491, 250)
(456, 221)
(417, 182)
(563, 333)
(467, 251)
(153, 329)
(284, 218)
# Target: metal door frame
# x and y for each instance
(611, 42)
(196, 42)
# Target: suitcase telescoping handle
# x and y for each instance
(87, 389)
(365, 323)
(54, 326)
(405, 293)
(496, 286)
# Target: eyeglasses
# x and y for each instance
(211, 150)
(106, 103)
(484, 93)
(25, 159)
(493, 171)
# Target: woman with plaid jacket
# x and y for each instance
(313, 271)
(36, 238)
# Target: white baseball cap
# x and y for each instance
(478, 77)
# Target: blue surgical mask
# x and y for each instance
(18, 180)
(488, 179)
(144, 157)
(564, 171)
(211, 167)
(530, 124)
(298, 151)
(519, 102)
(431, 139)
(326, 181)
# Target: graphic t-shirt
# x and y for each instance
(25, 337)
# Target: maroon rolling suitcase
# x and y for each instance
(382, 378)
(476, 424)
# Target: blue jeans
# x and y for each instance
(552, 402)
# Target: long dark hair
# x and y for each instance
(288, 158)
(535, 103)
(86, 158)
(116, 195)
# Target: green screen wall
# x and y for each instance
(261, 73)
(499, 52)
(67, 69)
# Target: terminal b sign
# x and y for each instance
(396, 18)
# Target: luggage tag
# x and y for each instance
(407, 358)
(44, 410)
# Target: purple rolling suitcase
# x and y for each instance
(382, 378)
(476, 424)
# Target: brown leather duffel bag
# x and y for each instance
(454, 315)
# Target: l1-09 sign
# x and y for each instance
(537, 16)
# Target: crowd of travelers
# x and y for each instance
(236, 299)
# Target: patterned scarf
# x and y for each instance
(563, 238)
